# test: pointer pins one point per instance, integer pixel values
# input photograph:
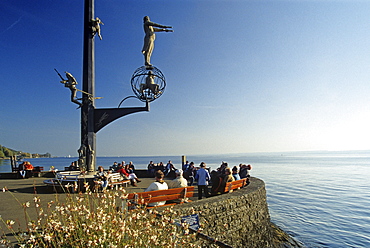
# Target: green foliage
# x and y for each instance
(2, 155)
(7, 152)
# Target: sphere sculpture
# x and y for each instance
(148, 83)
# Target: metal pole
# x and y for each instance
(88, 136)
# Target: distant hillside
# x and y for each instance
(8, 152)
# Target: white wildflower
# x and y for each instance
(10, 222)
(47, 237)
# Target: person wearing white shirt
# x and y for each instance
(159, 184)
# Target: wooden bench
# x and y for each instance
(116, 180)
(230, 186)
(63, 178)
(144, 198)
(37, 171)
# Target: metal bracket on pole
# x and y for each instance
(104, 116)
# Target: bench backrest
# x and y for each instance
(67, 173)
(230, 186)
(115, 177)
(62, 176)
(161, 195)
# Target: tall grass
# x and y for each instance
(97, 220)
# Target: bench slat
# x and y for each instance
(160, 192)
(167, 197)
(160, 196)
(235, 185)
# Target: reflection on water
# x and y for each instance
(5, 165)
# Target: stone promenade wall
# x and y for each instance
(239, 219)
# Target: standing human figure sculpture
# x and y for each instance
(149, 29)
(82, 157)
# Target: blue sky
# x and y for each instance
(242, 76)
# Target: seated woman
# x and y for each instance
(227, 178)
(244, 170)
(28, 167)
(101, 178)
(159, 184)
(131, 166)
(236, 173)
(129, 174)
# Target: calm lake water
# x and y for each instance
(320, 198)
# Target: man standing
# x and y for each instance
(202, 177)
(185, 166)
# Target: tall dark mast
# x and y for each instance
(88, 136)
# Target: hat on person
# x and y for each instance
(179, 172)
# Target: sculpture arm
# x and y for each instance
(162, 30)
(157, 25)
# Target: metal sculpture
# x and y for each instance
(150, 29)
(148, 84)
(70, 83)
(95, 27)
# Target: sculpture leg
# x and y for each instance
(147, 58)
(149, 50)
(73, 97)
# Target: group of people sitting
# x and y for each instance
(225, 174)
(25, 169)
(189, 173)
(160, 184)
(127, 172)
(182, 177)
(168, 170)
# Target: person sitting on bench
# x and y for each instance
(159, 184)
(101, 178)
(179, 181)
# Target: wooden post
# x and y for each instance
(183, 159)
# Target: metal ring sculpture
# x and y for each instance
(148, 83)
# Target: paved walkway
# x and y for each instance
(21, 191)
